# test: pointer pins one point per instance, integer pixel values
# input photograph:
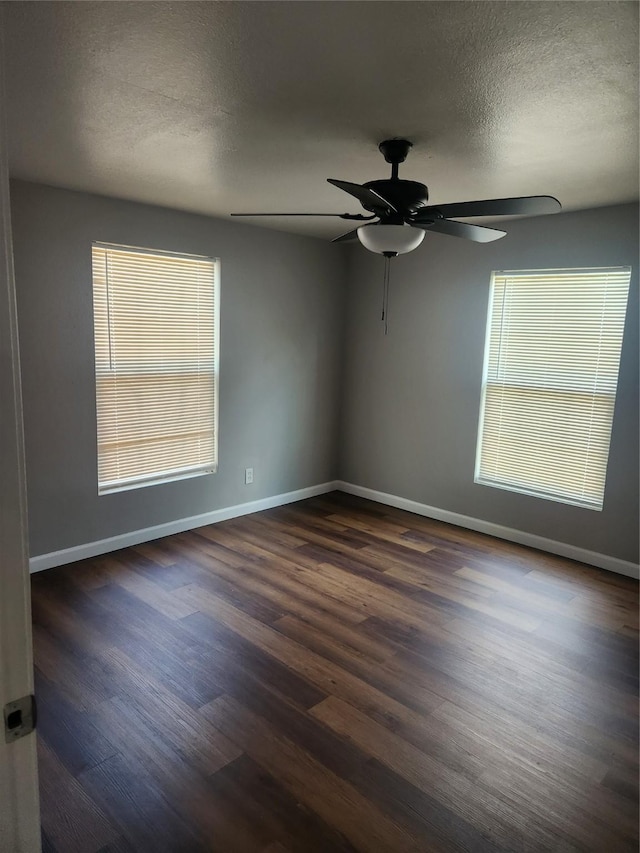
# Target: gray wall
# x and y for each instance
(304, 376)
(280, 360)
(411, 399)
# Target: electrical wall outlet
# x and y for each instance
(248, 476)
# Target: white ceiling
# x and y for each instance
(231, 106)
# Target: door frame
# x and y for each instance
(19, 804)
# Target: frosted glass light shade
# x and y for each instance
(398, 239)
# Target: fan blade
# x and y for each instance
(359, 216)
(369, 198)
(294, 214)
(350, 235)
(531, 205)
(477, 233)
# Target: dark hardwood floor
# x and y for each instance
(336, 675)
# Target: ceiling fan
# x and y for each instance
(402, 214)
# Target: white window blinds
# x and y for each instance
(551, 370)
(156, 343)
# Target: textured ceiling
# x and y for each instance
(231, 106)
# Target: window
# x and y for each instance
(551, 369)
(156, 348)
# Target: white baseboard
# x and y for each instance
(147, 534)
(135, 537)
(562, 549)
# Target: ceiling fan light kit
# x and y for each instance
(390, 240)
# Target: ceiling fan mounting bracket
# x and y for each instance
(395, 151)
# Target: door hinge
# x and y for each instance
(19, 718)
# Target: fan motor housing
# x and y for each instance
(405, 196)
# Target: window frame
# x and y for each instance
(483, 479)
(108, 487)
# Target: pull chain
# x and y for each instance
(385, 294)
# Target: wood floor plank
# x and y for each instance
(158, 645)
(575, 675)
(147, 560)
(333, 641)
(120, 845)
(240, 663)
(385, 531)
(512, 614)
(156, 552)
(280, 582)
(373, 599)
(139, 808)
(258, 799)
(335, 800)
(336, 676)
(69, 732)
(523, 705)
(326, 675)
(164, 711)
(72, 672)
(149, 591)
(384, 675)
(487, 826)
(452, 672)
(71, 819)
(572, 811)
(514, 589)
